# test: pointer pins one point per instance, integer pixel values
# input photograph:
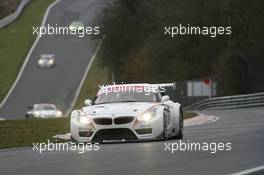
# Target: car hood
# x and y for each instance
(118, 109)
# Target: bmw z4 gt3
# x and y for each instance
(126, 112)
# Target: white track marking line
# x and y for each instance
(66, 136)
(200, 120)
(252, 170)
(29, 54)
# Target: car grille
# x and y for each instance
(48, 116)
(85, 133)
(103, 121)
(114, 134)
(123, 120)
(144, 131)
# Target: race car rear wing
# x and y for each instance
(173, 85)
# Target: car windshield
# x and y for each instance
(44, 107)
(116, 97)
(47, 57)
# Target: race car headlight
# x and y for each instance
(72, 28)
(80, 28)
(51, 61)
(36, 113)
(58, 114)
(147, 116)
(40, 61)
(84, 120)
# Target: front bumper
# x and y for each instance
(116, 132)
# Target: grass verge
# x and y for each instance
(19, 133)
(15, 42)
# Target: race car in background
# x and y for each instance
(43, 110)
(77, 26)
(46, 61)
(128, 112)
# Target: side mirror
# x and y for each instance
(30, 107)
(87, 102)
(165, 98)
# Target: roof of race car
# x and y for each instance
(43, 104)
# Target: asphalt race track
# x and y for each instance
(59, 84)
(244, 128)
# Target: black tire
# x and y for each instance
(165, 132)
(74, 140)
(27, 117)
(181, 124)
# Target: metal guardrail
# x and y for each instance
(229, 102)
(12, 17)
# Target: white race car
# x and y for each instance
(128, 112)
(43, 110)
(46, 61)
(76, 26)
